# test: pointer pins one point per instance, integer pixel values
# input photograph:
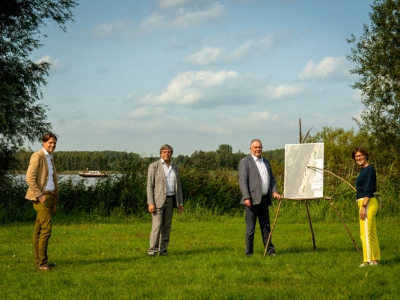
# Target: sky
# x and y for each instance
(134, 75)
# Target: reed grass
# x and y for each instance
(98, 257)
(216, 191)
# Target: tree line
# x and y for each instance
(120, 161)
(209, 180)
(338, 145)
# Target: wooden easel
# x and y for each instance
(309, 221)
(301, 141)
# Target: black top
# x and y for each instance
(366, 182)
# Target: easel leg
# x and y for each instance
(272, 228)
(344, 224)
(309, 221)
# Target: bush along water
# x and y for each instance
(216, 191)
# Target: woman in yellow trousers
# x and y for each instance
(368, 207)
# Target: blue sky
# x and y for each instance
(133, 75)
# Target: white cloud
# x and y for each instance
(213, 127)
(153, 22)
(56, 65)
(106, 30)
(229, 124)
(109, 126)
(247, 121)
(147, 111)
(174, 19)
(190, 87)
(256, 117)
(249, 48)
(357, 96)
(181, 18)
(280, 91)
(205, 56)
(129, 96)
(171, 3)
(329, 67)
(150, 123)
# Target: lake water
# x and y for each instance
(88, 181)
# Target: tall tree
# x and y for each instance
(376, 55)
(21, 116)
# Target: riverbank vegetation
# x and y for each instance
(209, 181)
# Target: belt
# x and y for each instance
(172, 196)
(48, 193)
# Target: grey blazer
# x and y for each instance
(156, 186)
(250, 180)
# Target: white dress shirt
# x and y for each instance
(263, 173)
(169, 178)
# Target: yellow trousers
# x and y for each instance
(368, 233)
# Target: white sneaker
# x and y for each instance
(364, 265)
(373, 263)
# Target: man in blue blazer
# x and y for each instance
(164, 192)
(257, 184)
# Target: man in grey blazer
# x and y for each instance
(164, 192)
(257, 184)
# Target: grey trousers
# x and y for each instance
(161, 227)
(261, 212)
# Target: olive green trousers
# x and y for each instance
(42, 232)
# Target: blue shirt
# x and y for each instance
(50, 181)
(366, 182)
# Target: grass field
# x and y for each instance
(99, 258)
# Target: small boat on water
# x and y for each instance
(93, 174)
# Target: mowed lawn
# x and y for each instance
(107, 259)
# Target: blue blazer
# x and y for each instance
(250, 180)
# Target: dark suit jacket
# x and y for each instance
(250, 180)
(157, 188)
(37, 175)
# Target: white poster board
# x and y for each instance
(300, 181)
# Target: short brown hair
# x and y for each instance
(165, 147)
(361, 150)
(47, 136)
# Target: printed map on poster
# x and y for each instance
(302, 182)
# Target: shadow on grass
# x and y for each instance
(217, 250)
(143, 256)
(310, 249)
(82, 261)
(391, 261)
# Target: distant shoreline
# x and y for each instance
(58, 173)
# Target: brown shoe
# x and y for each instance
(45, 267)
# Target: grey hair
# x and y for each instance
(165, 147)
(251, 143)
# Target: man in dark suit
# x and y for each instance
(164, 192)
(257, 184)
(41, 177)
